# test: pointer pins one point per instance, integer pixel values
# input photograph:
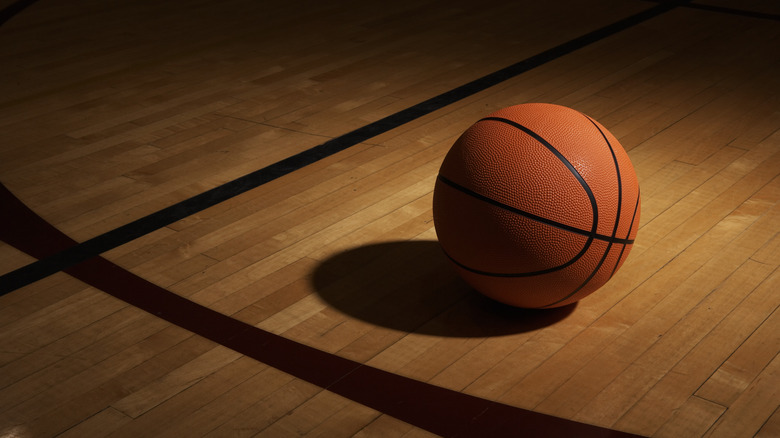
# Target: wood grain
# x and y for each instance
(111, 112)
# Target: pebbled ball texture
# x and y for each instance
(537, 205)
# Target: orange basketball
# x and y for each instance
(537, 205)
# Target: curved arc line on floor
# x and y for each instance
(438, 410)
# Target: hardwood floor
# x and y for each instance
(113, 111)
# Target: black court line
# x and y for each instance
(731, 11)
(438, 410)
(14, 9)
(133, 230)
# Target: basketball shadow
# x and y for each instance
(410, 286)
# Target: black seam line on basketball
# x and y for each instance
(620, 192)
(477, 196)
(537, 218)
(617, 215)
(520, 274)
(630, 227)
(587, 280)
(617, 175)
(145, 225)
(592, 198)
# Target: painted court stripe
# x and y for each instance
(133, 230)
(13, 9)
(731, 11)
(734, 11)
(438, 410)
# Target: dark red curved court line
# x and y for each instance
(438, 410)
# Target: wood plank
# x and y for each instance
(693, 418)
(771, 427)
(115, 329)
(176, 406)
(306, 417)
(213, 412)
(725, 296)
(384, 426)
(744, 365)
(700, 363)
(644, 372)
(753, 407)
(174, 382)
(102, 423)
(534, 387)
(110, 112)
(85, 392)
(267, 410)
(64, 317)
(12, 259)
(348, 422)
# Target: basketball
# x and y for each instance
(536, 205)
